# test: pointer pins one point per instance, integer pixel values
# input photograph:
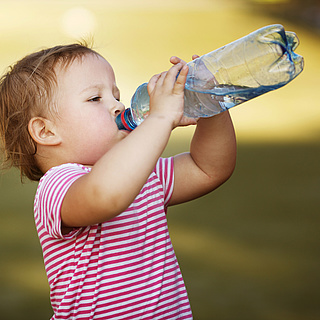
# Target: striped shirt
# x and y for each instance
(122, 269)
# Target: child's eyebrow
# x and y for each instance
(91, 87)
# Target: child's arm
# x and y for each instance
(210, 162)
(116, 179)
(211, 159)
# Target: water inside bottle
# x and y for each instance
(223, 97)
(261, 62)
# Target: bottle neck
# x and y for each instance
(125, 121)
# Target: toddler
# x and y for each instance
(101, 219)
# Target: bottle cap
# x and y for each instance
(125, 121)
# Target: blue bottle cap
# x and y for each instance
(125, 121)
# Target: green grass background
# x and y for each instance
(250, 250)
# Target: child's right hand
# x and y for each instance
(166, 92)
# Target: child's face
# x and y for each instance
(88, 103)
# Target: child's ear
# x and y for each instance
(43, 131)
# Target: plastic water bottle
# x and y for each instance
(258, 63)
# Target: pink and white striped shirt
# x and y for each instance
(123, 269)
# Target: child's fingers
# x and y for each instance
(153, 81)
(175, 80)
(185, 121)
(181, 80)
(176, 60)
(168, 79)
(173, 72)
(162, 77)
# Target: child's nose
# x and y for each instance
(118, 108)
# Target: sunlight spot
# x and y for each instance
(78, 22)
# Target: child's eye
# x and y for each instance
(95, 99)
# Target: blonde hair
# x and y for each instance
(26, 91)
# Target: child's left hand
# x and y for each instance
(166, 91)
(185, 121)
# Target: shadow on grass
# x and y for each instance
(249, 251)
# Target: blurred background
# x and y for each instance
(249, 250)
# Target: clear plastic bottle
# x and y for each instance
(260, 62)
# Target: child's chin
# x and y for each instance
(125, 132)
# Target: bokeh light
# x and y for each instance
(78, 22)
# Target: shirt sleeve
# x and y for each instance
(164, 171)
(51, 191)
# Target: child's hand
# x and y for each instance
(166, 91)
(175, 60)
(185, 121)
